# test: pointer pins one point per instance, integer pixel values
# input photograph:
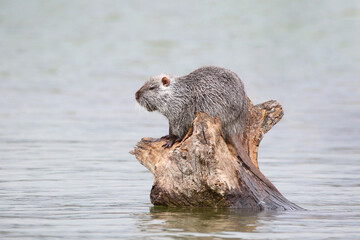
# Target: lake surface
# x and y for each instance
(68, 117)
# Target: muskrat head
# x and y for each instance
(155, 93)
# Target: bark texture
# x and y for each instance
(260, 119)
(204, 171)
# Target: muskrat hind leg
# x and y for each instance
(172, 139)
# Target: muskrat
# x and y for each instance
(216, 91)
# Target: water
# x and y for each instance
(68, 118)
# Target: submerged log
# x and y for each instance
(204, 171)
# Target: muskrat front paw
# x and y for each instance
(171, 141)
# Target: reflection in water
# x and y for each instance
(205, 220)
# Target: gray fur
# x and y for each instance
(216, 91)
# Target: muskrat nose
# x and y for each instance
(137, 95)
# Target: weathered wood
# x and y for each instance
(203, 171)
(261, 118)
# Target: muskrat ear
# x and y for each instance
(165, 81)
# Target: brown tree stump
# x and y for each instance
(203, 170)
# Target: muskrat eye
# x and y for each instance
(152, 88)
